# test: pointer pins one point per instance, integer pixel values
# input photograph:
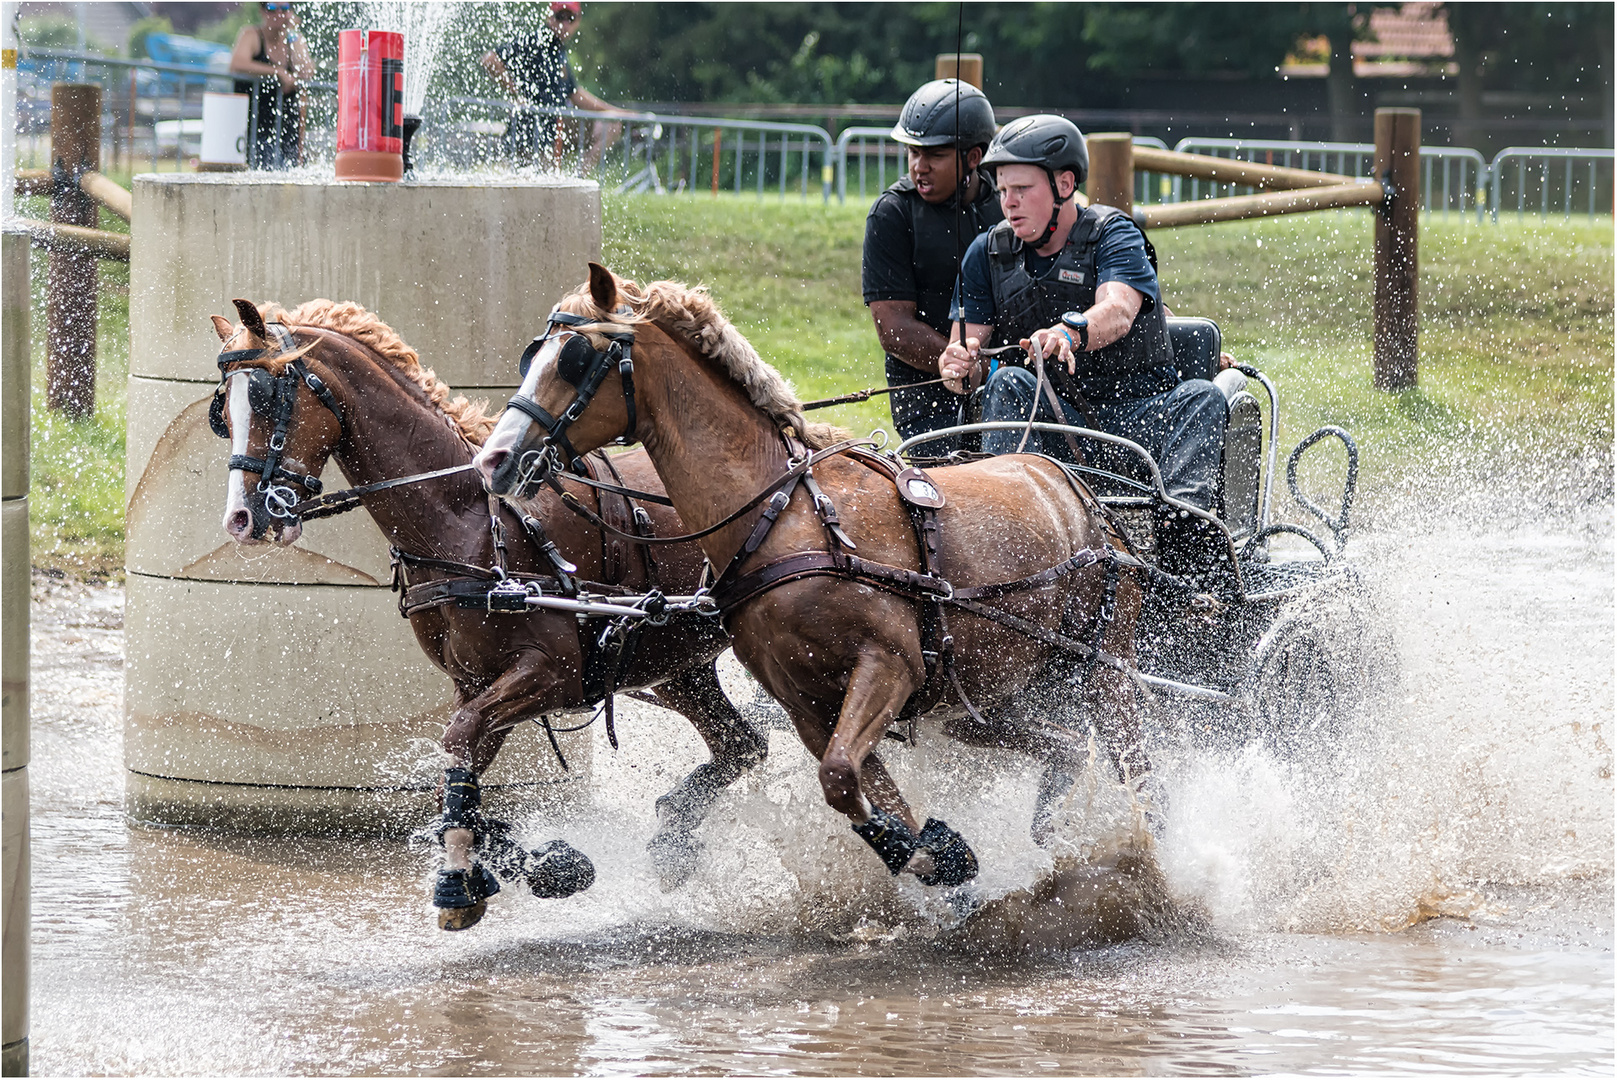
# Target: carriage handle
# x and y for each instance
(1068, 429)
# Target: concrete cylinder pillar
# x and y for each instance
(1111, 170)
(15, 380)
(330, 709)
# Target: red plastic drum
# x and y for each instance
(370, 105)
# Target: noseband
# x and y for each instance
(584, 368)
(272, 397)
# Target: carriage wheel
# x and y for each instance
(1317, 674)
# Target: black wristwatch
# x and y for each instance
(1078, 321)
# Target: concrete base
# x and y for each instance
(278, 689)
(14, 973)
(14, 594)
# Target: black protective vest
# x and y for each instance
(1138, 364)
(939, 246)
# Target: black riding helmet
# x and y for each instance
(946, 112)
(1053, 143)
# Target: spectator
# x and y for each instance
(275, 58)
(533, 70)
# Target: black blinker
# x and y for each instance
(573, 362)
(216, 415)
(262, 392)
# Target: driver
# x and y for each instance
(1080, 284)
(914, 236)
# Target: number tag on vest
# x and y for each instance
(1075, 277)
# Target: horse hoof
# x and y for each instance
(461, 896)
(558, 869)
(953, 861)
(462, 918)
(673, 856)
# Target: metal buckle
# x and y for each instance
(508, 596)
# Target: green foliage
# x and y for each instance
(151, 24)
(225, 30)
(58, 32)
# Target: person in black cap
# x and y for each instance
(915, 234)
(533, 69)
(1080, 284)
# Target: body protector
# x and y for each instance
(1023, 304)
(940, 243)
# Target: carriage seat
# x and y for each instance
(1196, 347)
(1196, 344)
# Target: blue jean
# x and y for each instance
(1182, 428)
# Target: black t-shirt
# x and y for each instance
(537, 63)
(913, 247)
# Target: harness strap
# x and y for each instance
(791, 473)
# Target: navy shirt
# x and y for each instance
(1120, 256)
(537, 64)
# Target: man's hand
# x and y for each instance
(956, 363)
(1225, 360)
(1051, 341)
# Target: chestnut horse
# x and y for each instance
(337, 381)
(833, 591)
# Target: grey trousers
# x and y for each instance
(1182, 428)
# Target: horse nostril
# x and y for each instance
(239, 523)
(493, 459)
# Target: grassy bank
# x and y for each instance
(1516, 332)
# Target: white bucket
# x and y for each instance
(224, 129)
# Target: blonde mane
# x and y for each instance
(469, 418)
(692, 315)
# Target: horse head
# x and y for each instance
(282, 423)
(584, 353)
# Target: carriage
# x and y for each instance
(1293, 652)
(929, 613)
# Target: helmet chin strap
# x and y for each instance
(1055, 211)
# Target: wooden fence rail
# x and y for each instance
(1394, 191)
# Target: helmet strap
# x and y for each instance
(1055, 211)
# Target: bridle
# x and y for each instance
(271, 396)
(584, 368)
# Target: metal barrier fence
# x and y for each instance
(885, 149)
(152, 113)
(1561, 179)
(1453, 179)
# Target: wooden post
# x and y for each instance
(71, 296)
(1397, 316)
(1111, 170)
(967, 67)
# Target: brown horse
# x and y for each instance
(818, 604)
(333, 380)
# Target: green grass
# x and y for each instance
(76, 492)
(1516, 339)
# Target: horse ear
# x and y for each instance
(221, 326)
(250, 318)
(603, 287)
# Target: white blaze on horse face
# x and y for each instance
(238, 517)
(512, 427)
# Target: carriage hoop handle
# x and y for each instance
(1339, 524)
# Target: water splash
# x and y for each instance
(424, 27)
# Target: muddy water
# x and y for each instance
(1435, 899)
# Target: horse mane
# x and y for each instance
(470, 418)
(691, 315)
